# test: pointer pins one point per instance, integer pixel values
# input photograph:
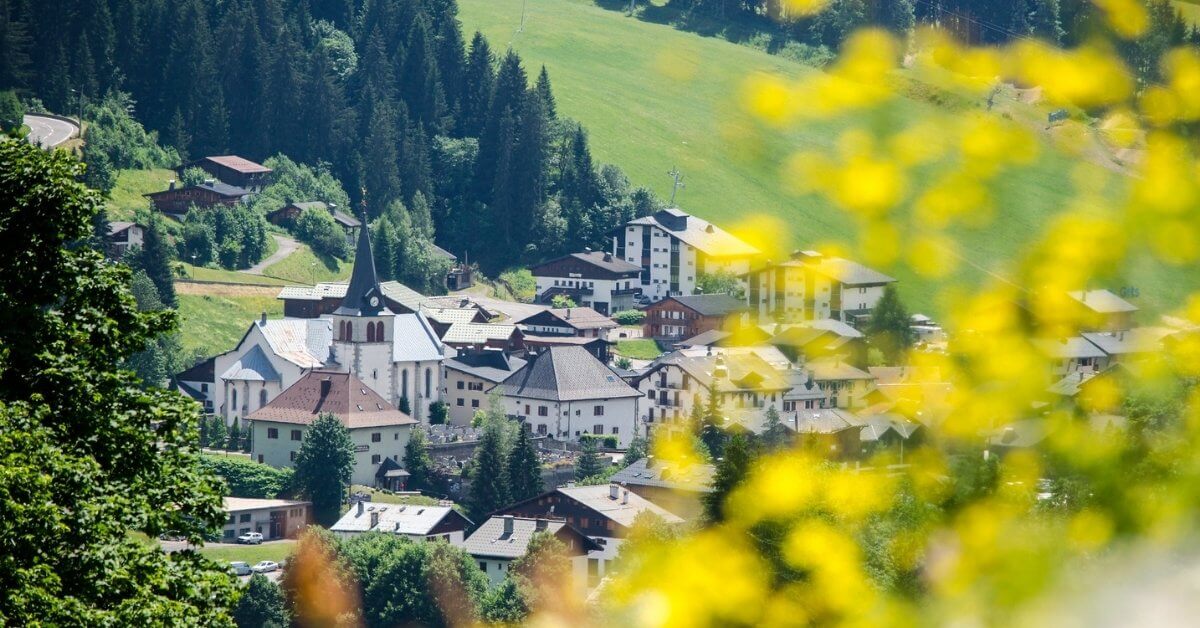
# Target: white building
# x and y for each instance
(675, 383)
(469, 376)
(377, 428)
(503, 539)
(812, 286)
(595, 279)
(420, 523)
(673, 248)
(272, 518)
(566, 392)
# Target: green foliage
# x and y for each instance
(246, 478)
(154, 259)
(719, 282)
(438, 411)
(293, 182)
(89, 455)
(629, 317)
(234, 442)
(589, 463)
(217, 433)
(12, 112)
(624, 363)
(638, 448)
(775, 435)
(193, 175)
(234, 237)
(523, 468)
(890, 329)
(419, 464)
(639, 348)
(489, 488)
(261, 605)
(732, 470)
(404, 252)
(317, 228)
(404, 406)
(520, 284)
(115, 140)
(323, 467)
(505, 604)
(562, 301)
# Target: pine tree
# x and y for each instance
(381, 179)
(774, 434)
(218, 434)
(383, 247)
(523, 467)
(489, 491)
(155, 260)
(451, 60)
(324, 466)
(418, 463)
(589, 464)
(420, 83)
(477, 87)
(546, 94)
(235, 436)
(732, 470)
(15, 44)
(890, 328)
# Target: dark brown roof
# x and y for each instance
(346, 397)
(238, 164)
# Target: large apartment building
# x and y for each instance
(811, 286)
(674, 248)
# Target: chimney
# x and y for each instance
(326, 384)
(360, 508)
(541, 524)
(263, 319)
(210, 182)
(508, 524)
(613, 491)
(624, 496)
(171, 184)
(608, 257)
(710, 229)
(649, 461)
(568, 313)
(374, 519)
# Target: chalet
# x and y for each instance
(583, 322)
(1071, 355)
(679, 317)
(287, 215)
(595, 279)
(505, 538)
(741, 337)
(598, 347)
(598, 511)
(834, 432)
(894, 432)
(442, 318)
(419, 523)
(821, 338)
(272, 518)
(122, 236)
(1102, 311)
(467, 377)
(377, 428)
(178, 201)
(673, 249)
(675, 487)
(844, 385)
(676, 382)
(812, 286)
(484, 335)
(565, 392)
(234, 170)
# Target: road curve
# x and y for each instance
(49, 132)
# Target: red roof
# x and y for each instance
(345, 396)
(240, 164)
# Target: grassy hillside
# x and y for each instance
(214, 323)
(653, 97)
(126, 197)
(306, 267)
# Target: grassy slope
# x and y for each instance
(276, 551)
(303, 266)
(201, 273)
(653, 97)
(639, 349)
(127, 196)
(215, 323)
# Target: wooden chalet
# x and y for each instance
(231, 169)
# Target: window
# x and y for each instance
(474, 403)
(542, 411)
(597, 429)
(260, 458)
(526, 409)
(262, 397)
(459, 402)
(295, 434)
(272, 432)
(244, 518)
(598, 411)
(292, 456)
(650, 394)
(204, 388)
(616, 430)
(375, 458)
(403, 383)
(541, 429)
(376, 437)
(233, 399)
(483, 566)
(460, 384)
(428, 380)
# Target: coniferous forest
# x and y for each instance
(385, 93)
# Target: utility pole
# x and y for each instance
(632, 7)
(677, 178)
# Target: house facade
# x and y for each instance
(581, 322)
(595, 279)
(812, 286)
(565, 392)
(376, 427)
(743, 383)
(467, 378)
(680, 317)
(673, 248)
(272, 518)
(233, 170)
(505, 538)
(419, 523)
(178, 201)
(122, 236)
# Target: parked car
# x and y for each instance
(250, 538)
(240, 568)
(266, 566)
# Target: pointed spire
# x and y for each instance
(363, 296)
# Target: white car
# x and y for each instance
(266, 566)
(240, 568)
(250, 538)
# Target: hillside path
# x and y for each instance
(287, 246)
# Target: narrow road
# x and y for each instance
(287, 246)
(49, 132)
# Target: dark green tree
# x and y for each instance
(546, 94)
(477, 88)
(732, 470)
(418, 463)
(218, 433)
(261, 605)
(489, 490)
(890, 328)
(589, 464)
(523, 467)
(155, 260)
(638, 448)
(11, 111)
(774, 435)
(324, 466)
(79, 435)
(235, 436)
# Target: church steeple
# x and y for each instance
(363, 296)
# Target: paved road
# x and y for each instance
(49, 132)
(287, 246)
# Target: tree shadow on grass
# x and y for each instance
(738, 29)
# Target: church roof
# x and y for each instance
(364, 283)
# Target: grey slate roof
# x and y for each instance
(660, 474)
(604, 261)
(711, 304)
(477, 333)
(745, 371)
(599, 498)
(403, 295)
(1138, 340)
(304, 342)
(1073, 348)
(492, 541)
(224, 189)
(820, 421)
(566, 373)
(324, 290)
(877, 426)
(414, 339)
(832, 369)
(851, 273)
(1102, 301)
(395, 519)
(492, 365)
(252, 366)
(573, 317)
(364, 284)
